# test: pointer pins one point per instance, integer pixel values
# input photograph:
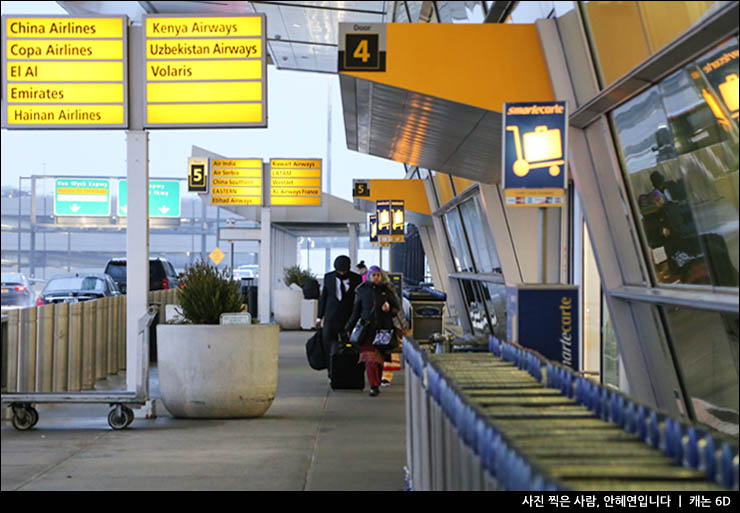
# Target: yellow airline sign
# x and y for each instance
(205, 71)
(236, 182)
(64, 72)
(295, 182)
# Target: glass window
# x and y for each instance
(474, 303)
(460, 184)
(460, 253)
(480, 237)
(623, 34)
(494, 295)
(75, 283)
(460, 12)
(679, 148)
(400, 14)
(528, 12)
(706, 347)
(414, 10)
(610, 350)
(443, 186)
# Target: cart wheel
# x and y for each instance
(24, 418)
(119, 418)
(129, 413)
(34, 415)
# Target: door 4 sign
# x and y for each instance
(361, 47)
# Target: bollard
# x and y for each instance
(89, 332)
(101, 340)
(61, 345)
(74, 352)
(121, 332)
(11, 362)
(27, 350)
(110, 337)
(45, 348)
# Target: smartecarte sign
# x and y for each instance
(535, 154)
(64, 72)
(164, 198)
(205, 71)
(545, 318)
(81, 197)
(295, 182)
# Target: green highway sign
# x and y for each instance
(81, 197)
(164, 198)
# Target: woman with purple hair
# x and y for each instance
(376, 305)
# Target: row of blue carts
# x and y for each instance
(508, 419)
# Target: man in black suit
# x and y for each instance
(336, 301)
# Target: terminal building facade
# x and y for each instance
(649, 226)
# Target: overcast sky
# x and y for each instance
(297, 127)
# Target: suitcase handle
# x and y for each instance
(541, 129)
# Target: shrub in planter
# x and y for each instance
(295, 274)
(206, 294)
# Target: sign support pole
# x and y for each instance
(137, 222)
(542, 253)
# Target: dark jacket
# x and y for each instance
(368, 302)
(330, 309)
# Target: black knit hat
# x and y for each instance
(342, 263)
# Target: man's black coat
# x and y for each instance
(332, 310)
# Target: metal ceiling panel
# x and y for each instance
(422, 130)
(300, 35)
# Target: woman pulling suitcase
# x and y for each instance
(371, 325)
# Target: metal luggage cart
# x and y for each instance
(25, 415)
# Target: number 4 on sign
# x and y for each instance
(362, 52)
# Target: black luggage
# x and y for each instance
(315, 352)
(346, 372)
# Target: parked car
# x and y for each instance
(246, 271)
(162, 274)
(72, 288)
(16, 291)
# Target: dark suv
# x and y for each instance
(162, 274)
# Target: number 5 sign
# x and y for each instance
(361, 47)
(197, 174)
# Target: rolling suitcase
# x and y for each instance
(346, 373)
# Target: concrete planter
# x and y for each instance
(215, 371)
(287, 308)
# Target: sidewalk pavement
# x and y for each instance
(311, 438)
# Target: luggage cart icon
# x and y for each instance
(542, 148)
(398, 219)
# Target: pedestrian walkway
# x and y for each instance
(311, 438)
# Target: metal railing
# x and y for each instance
(67, 347)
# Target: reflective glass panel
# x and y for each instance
(679, 147)
(460, 253)
(623, 34)
(474, 304)
(401, 16)
(460, 12)
(706, 347)
(443, 186)
(494, 295)
(480, 237)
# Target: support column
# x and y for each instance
(137, 248)
(265, 281)
(353, 243)
(137, 221)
